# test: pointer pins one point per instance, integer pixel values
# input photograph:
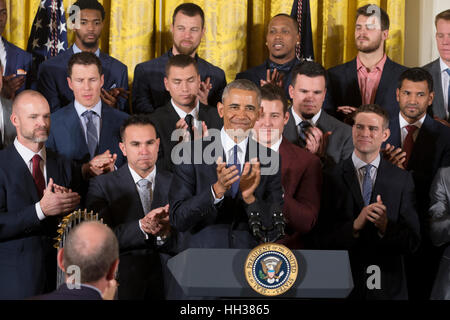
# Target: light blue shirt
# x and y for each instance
(97, 119)
(78, 50)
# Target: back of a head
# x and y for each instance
(374, 10)
(93, 247)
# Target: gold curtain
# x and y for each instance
(139, 30)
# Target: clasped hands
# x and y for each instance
(100, 164)
(156, 222)
(58, 199)
(375, 213)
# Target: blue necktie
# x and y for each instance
(91, 132)
(302, 127)
(448, 91)
(235, 161)
(367, 185)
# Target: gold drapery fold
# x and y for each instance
(138, 30)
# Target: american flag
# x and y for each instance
(301, 12)
(48, 35)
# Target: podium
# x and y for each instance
(220, 273)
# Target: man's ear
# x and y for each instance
(112, 270)
(60, 259)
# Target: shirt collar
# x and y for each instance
(78, 50)
(228, 143)
(404, 123)
(298, 118)
(276, 146)
(443, 65)
(183, 114)
(379, 65)
(80, 108)
(136, 177)
(358, 163)
(27, 154)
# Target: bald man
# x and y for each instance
(34, 188)
(93, 248)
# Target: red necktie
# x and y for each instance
(38, 176)
(408, 143)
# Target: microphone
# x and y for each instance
(254, 222)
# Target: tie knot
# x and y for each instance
(143, 183)
(304, 125)
(411, 128)
(36, 158)
(189, 118)
(367, 168)
(88, 114)
(448, 71)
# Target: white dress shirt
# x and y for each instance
(404, 131)
(298, 118)
(27, 156)
(193, 113)
(360, 170)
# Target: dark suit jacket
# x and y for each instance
(340, 143)
(64, 293)
(301, 177)
(343, 88)
(9, 131)
(149, 92)
(52, 79)
(225, 225)
(438, 107)
(27, 256)
(68, 139)
(165, 119)
(115, 197)
(17, 59)
(341, 204)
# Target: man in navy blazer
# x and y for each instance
(219, 184)
(17, 62)
(53, 72)
(87, 128)
(118, 199)
(369, 78)
(32, 192)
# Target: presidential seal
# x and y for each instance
(271, 269)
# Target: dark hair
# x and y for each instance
(310, 69)
(294, 21)
(93, 259)
(181, 61)
(84, 58)
(416, 75)
(89, 4)
(372, 10)
(374, 108)
(137, 120)
(190, 10)
(272, 92)
(445, 15)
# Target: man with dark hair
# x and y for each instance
(310, 126)
(16, 63)
(133, 201)
(421, 145)
(53, 72)
(440, 68)
(149, 92)
(372, 76)
(301, 172)
(93, 250)
(87, 130)
(7, 130)
(184, 111)
(368, 209)
(281, 40)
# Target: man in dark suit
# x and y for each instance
(309, 126)
(17, 63)
(182, 81)
(53, 72)
(7, 130)
(211, 199)
(93, 248)
(281, 39)
(133, 201)
(31, 195)
(372, 76)
(301, 172)
(87, 128)
(440, 68)
(188, 29)
(421, 145)
(368, 208)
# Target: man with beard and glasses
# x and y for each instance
(188, 29)
(33, 181)
(281, 39)
(369, 78)
(52, 73)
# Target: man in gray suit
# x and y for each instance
(440, 68)
(440, 231)
(7, 130)
(309, 126)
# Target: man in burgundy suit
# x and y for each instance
(301, 173)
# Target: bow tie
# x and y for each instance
(286, 67)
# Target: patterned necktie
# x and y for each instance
(145, 193)
(448, 92)
(234, 160)
(38, 177)
(408, 144)
(302, 127)
(367, 185)
(189, 121)
(91, 132)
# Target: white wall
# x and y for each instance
(420, 43)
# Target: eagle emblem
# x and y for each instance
(271, 269)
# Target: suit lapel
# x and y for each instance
(23, 171)
(75, 129)
(11, 61)
(385, 80)
(422, 146)
(162, 185)
(290, 130)
(439, 94)
(395, 137)
(126, 181)
(352, 76)
(352, 182)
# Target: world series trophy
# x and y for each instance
(67, 223)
